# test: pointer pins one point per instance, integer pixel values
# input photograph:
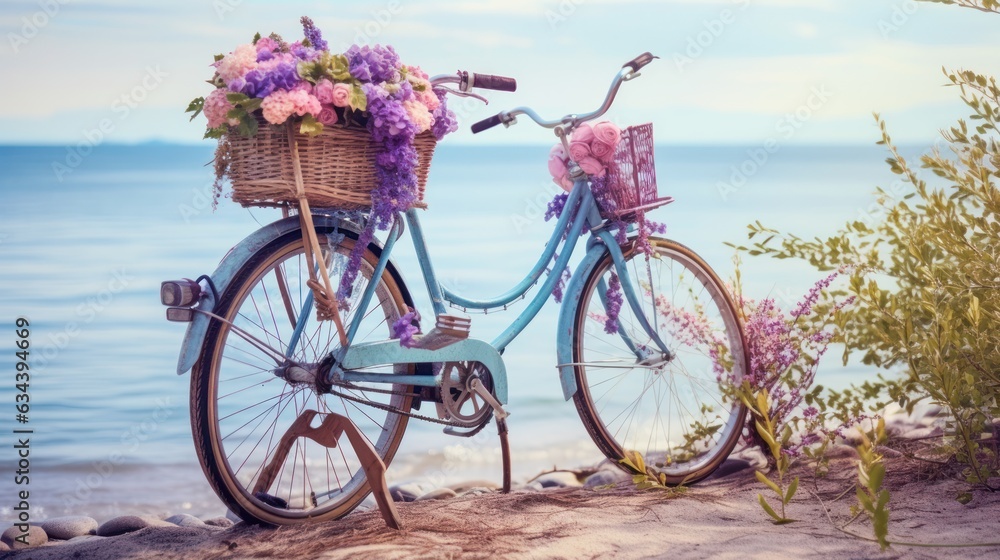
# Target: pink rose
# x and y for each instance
(341, 95)
(324, 91)
(583, 134)
(579, 150)
(327, 115)
(591, 166)
(607, 132)
(557, 167)
(601, 150)
(557, 151)
(565, 182)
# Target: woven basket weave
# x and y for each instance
(338, 167)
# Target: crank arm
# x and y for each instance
(477, 386)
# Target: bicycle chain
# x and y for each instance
(389, 408)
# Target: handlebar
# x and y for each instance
(628, 71)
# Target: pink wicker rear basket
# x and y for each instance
(632, 175)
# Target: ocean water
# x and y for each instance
(85, 242)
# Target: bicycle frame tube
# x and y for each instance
(518, 291)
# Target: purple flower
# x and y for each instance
(373, 64)
(614, 304)
(445, 121)
(556, 206)
(258, 84)
(557, 290)
(314, 35)
(406, 327)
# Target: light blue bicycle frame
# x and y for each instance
(569, 226)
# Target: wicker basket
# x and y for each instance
(338, 167)
(632, 176)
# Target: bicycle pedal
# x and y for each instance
(448, 330)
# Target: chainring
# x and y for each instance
(459, 403)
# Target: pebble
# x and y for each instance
(70, 526)
(477, 491)
(129, 523)
(223, 522)
(186, 520)
(233, 517)
(925, 432)
(464, 487)
(439, 494)
(35, 536)
(558, 480)
(605, 477)
(4, 547)
(407, 492)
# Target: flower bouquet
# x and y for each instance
(300, 125)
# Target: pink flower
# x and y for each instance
(428, 98)
(602, 150)
(304, 102)
(591, 166)
(607, 132)
(277, 107)
(324, 91)
(419, 115)
(579, 150)
(237, 63)
(216, 107)
(327, 115)
(266, 43)
(565, 182)
(583, 134)
(557, 167)
(341, 95)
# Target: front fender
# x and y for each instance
(223, 275)
(567, 316)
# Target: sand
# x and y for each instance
(718, 518)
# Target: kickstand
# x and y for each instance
(504, 453)
(327, 434)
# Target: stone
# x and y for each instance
(558, 480)
(130, 523)
(186, 520)
(408, 491)
(69, 526)
(605, 477)
(463, 487)
(223, 522)
(233, 517)
(439, 494)
(4, 547)
(477, 491)
(34, 537)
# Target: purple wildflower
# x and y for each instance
(445, 121)
(556, 206)
(614, 304)
(557, 291)
(807, 303)
(405, 327)
(314, 35)
(373, 64)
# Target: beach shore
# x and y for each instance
(718, 518)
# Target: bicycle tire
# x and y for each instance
(228, 369)
(675, 439)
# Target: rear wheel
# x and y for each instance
(242, 404)
(681, 414)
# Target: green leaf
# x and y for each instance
(256, 37)
(767, 508)
(217, 132)
(195, 107)
(310, 126)
(358, 100)
(791, 490)
(219, 57)
(875, 476)
(768, 482)
(237, 98)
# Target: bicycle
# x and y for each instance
(263, 371)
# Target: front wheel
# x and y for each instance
(680, 413)
(243, 404)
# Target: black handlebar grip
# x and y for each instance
(489, 81)
(638, 62)
(487, 123)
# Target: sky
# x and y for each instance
(730, 71)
